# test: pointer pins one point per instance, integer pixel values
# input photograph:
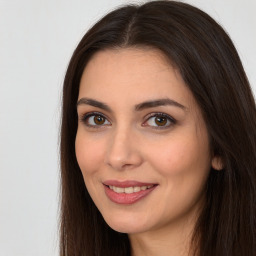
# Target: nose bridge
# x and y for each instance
(123, 151)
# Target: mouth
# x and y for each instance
(127, 192)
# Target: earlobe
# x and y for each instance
(217, 163)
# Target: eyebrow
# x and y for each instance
(94, 103)
(138, 107)
(158, 103)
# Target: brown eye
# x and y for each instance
(99, 120)
(161, 121)
(95, 120)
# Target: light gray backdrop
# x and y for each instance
(37, 38)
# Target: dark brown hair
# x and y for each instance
(211, 68)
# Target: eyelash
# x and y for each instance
(84, 119)
(169, 119)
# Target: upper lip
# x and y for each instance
(127, 183)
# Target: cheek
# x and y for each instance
(183, 167)
(89, 154)
(181, 156)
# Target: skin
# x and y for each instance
(130, 145)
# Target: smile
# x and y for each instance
(129, 190)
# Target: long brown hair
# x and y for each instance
(211, 68)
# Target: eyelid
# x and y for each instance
(172, 120)
(84, 117)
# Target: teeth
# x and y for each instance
(118, 190)
(129, 190)
(136, 189)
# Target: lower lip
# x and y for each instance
(123, 198)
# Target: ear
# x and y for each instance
(217, 163)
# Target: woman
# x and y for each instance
(158, 138)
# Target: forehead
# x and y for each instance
(150, 57)
(132, 74)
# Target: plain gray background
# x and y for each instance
(37, 39)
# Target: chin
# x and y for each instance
(122, 225)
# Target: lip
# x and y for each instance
(126, 183)
(123, 198)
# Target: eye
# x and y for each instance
(94, 120)
(159, 120)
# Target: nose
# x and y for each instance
(123, 150)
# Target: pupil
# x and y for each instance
(161, 121)
(99, 119)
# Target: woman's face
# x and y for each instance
(141, 143)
